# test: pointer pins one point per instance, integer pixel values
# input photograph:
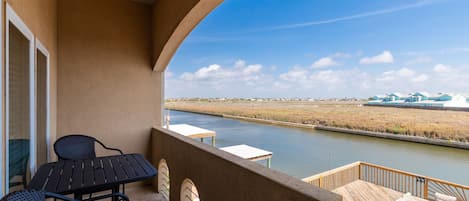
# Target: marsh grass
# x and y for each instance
(447, 125)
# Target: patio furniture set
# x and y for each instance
(80, 172)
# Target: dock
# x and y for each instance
(249, 153)
(193, 132)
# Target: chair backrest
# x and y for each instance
(18, 156)
(75, 147)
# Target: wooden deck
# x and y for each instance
(364, 191)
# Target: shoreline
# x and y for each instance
(391, 136)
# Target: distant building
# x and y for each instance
(421, 99)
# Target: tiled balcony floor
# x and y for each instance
(143, 193)
(136, 193)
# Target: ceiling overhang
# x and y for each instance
(145, 1)
(201, 9)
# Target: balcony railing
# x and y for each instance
(401, 181)
(218, 175)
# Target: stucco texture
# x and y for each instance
(106, 86)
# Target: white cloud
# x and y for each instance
(242, 79)
(240, 63)
(420, 78)
(216, 72)
(328, 76)
(255, 68)
(441, 68)
(211, 71)
(385, 57)
(395, 74)
(324, 62)
(405, 72)
(294, 74)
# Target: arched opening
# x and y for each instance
(163, 179)
(189, 191)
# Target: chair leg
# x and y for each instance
(123, 191)
(24, 181)
(112, 196)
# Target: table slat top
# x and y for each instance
(78, 176)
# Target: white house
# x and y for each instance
(422, 99)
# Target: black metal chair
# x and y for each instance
(79, 147)
(33, 195)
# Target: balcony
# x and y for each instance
(102, 74)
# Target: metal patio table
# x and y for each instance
(80, 177)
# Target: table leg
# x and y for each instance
(78, 196)
(115, 189)
(269, 160)
(213, 141)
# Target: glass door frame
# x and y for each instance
(13, 19)
(41, 48)
(2, 157)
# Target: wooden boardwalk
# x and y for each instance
(364, 191)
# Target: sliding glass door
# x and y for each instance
(20, 129)
(42, 104)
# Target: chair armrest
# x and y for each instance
(114, 149)
(58, 196)
(110, 148)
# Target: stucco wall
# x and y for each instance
(106, 86)
(219, 175)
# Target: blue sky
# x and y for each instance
(318, 48)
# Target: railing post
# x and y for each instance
(425, 188)
(359, 171)
(320, 182)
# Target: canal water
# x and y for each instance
(305, 152)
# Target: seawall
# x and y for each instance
(408, 138)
